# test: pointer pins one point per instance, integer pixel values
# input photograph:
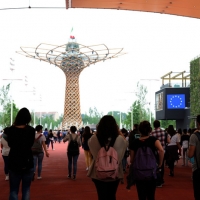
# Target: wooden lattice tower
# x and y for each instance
(71, 58)
(72, 112)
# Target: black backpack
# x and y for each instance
(37, 146)
(73, 147)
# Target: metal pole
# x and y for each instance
(40, 117)
(11, 108)
(11, 112)
(34, 117)
(120, 119)
(150, 104)
(40, 109)
(150, 93)
(131, 117)
(150, 112)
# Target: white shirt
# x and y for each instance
(6, 148)
(41, 139)
(175, 138)
(185, 144)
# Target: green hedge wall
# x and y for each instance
(194, 89)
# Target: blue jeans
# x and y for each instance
(37, 159)
(70, 158)
(5, 158)
(15, 178)
(50, 141)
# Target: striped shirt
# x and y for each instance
(160, 135)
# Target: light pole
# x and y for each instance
(40, 109)
(11, 79)
(150, 95)
(131, 110)
(131, 117)
(120, 119)
(39, 106)
(33, 92)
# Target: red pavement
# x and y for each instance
(54, 184)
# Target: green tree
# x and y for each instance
(3, 101)
(5, 115)
(137, 110)
(92, 117)
(165, 123)
(116, 115)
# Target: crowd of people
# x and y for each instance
(142, 153)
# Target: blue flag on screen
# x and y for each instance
(176, 101)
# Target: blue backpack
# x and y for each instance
(145, 164)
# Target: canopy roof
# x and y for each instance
(188, 8)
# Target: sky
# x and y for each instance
(155, 44)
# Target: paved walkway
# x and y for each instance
(54, 184)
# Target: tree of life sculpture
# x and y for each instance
(71, 58)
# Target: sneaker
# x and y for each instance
(171, 174)
(7, 178)
(39, 177)
(74, 177)
(69, 176)
(159, 185)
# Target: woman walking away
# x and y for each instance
(185, 145)
(146, 154)
(85, 137)
(38, 153)
(50, 139)
(21, 137)
(108, 141)
(5, 152)
(172, 149)
(72, 151)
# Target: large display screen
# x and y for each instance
(176, 101)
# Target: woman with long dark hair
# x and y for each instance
(20, 137)
(85, 137)
(146, 188)
(107, 135)
(172, 149)
(72, 151)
